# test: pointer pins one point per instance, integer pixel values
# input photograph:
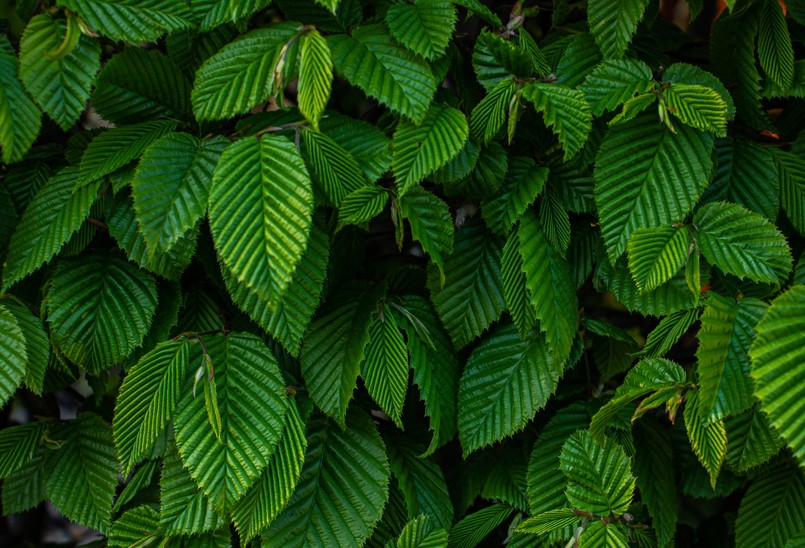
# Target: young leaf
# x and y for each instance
(615, 81)
(370, 59)
(172, 186)
(261, 206)
(59, 84)
(385, 370)
(599, 475)
(742, 243)
(698, 106)
(342, 490)
(315, 76)
(506, 381)
(252, 407)
(99, 309)
(420, 149)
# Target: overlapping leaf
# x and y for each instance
(132, 21)
(523, 183)
(431, 224)
(13, 357)
(425, 27)
(613, 24)
(615, 81)
(656, 254)
(707, 439)
(565, 110)
(334, 168)
(385, 370)
(315, 76)
(774, 47)
(184, 509)
(20, 120)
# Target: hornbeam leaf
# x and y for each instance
(549, 521)
(261, 206)
(385, 370)
(421, 532)
(370, 59)
(646, 176)
(431, 224)
(506, 381)
(18, 445)
(20, 119)
(172, 185)
(336, 171)
(342, 489)
(84, 471)
(708, 440)
(489, 114)
(774, 47)
(599, 475)
(741, 242)
(613, 24)
(363, 205)
(184, 509)
(751, 439)
(471, 297)
(315, 76)
(654, 470)
(333, 349)
(614, 82)
(37, 345)
(773, 508)
(698, 106)
(132, 21)
(60, 84)
(777, 367)
(252, 407)
(420, 149)
(656, 255)
(100, 308)
(565, 110)
(148, 398)
(425, 27)
(523, 183)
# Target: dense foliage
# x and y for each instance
(556, 242)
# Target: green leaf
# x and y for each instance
(261, 205)
(656, 255)
(265, 500)
(727, 331)
(421, 532)
(578, 57)
(241, 75)
(473, 528)
(370, 59)
(25, 488)
(226, 11)
(172, 186)
(60, 84)
(707, 439)
(549, 521)
(648, 376)
(83, 478)
(654, 470)
(683, 73)
(777, 358)
(342, 490)
(184, 509)
(20, 120)
(741, 242)
(615, 81)
(751, 439)
(37, 345)
(251, 403)
(53, 216)
(515, 288)
(422, 483)
(773, 509)
(385, 370)
(141, 479)
(436, 368)
(132, 21)
(599, 533)
(565, 110)
(148, 399)
(288, 321)
(523, 183)
(792, 187)
(747, 175)
(335, 169)
(774, 47)
(599, 475)
(476, 7)
(334, 347)
(425, 27)
(363, 205)
(495, 59)
(471, 297)
(546, 483)
(489, 114)
(117, 147)
(139, 84)
(420, 149)
(315, 76)
(18, 444)
(99, 309)
(613, 24)
(368, 145)
(431, 224)
(551, 288)
(698, 106)
(646, 176)
(135, 526)
(506, 381)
